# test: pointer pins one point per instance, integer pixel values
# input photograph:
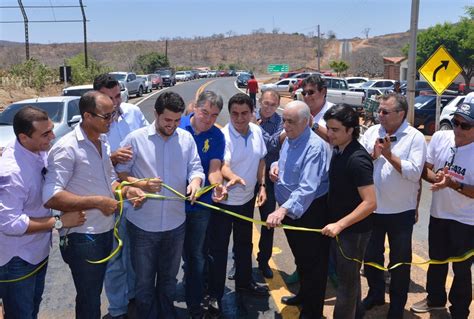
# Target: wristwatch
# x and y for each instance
(460, 187)
(58, 224)
(315, 127)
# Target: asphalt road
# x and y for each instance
(58, 298)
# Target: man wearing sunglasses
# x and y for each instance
(450, 169)
(398, 165)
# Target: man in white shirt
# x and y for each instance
(450, 169)
(81, 177)
(244, 167)
(399, 153)
(119, 280)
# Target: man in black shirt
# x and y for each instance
(351, 200)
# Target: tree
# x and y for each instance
(339, 66)
(365, 32)
(33, 73)
(149, 62)
(81, 74)
(458, 38)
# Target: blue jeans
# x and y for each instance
(196, 254)
(265, 244)
(119, 281)
(88, 278)
(155, 258)
(348, 274)
(21, 299)
(399, 229)
(449, 238)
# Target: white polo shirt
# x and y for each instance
(447, 203)
(397, 192)
(243, 154)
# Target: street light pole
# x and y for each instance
(319, 49)
(411, 77)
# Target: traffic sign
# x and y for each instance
(272, 68)
(440, 70)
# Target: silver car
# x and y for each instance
(62, 110)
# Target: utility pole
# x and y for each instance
(415, 6)
(84, 23)
(319, 49)
(166, 49)
(25, 19)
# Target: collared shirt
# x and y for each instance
(243, 154)
(21, 180)
(175, 160)
(397, 192)
(318, 118)
(130, 119)
(302, 173)
(210, 145)
(271, 130)
(75, 165)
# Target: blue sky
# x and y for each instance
(122, 20)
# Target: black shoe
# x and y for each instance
(213, 310)
(267, 272)
(291, 300)
(231, 274)
(254, 289)
(369, 302)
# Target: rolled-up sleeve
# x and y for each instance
(412, 167)
(60, 170)
(194, 164)
(311, 175)
(13, 220)
(127, 166)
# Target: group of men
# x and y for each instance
(304, 168)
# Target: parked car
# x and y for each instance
(425, 111)
(242, 80)
(280, 86)
(148, 85)
(189, 75)
(382, 85)
(167, 75)
(355, 81)
(79, 90)
(285, 75)
(203, 74)
(212, 73)
(62, 110)
(232, 73)
(156, 81)
(304, 75)
(421, 87)
(447, 113)
(134, 85)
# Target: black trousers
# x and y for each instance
(449, 238)
(311, 251)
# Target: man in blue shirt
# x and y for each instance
(301, 186)
(211, 145)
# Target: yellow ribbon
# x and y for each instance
(27, 275)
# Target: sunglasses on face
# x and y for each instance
(106, 117)
(464, 126)
(385, 112)
(308, 92)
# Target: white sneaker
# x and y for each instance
(422, 307)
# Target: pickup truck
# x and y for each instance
(338, 92)
(134, 85)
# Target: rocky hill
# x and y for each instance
(253, 51)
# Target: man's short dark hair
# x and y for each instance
(315, 79)
(211, 97)
(171, 101)
(24, 118)
(105, 81)
(241, 98)
(345, 114)
(400, 102)
(87, 103)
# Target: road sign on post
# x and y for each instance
(273, 68)
(440, 70)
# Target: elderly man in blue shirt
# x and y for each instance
(301, 186)
(161, 152)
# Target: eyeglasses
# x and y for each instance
(269, 104)
(385, 112)
(308, 92)
(464, 126)
(106, 117)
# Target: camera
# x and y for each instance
(392, 138)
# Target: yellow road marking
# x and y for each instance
(202, 87)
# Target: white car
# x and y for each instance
(181, 76)
(148, 83)
(79, 90)
(447, 113)
(355, 81)
(203, 74)
(280, 86)
(62, 110)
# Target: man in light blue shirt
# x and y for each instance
(301, 186)
(119, 280)
(164, 153)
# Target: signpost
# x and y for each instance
(440, 70)
(275, 68)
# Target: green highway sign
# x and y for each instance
(272, 68)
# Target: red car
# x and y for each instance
(156, 81)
